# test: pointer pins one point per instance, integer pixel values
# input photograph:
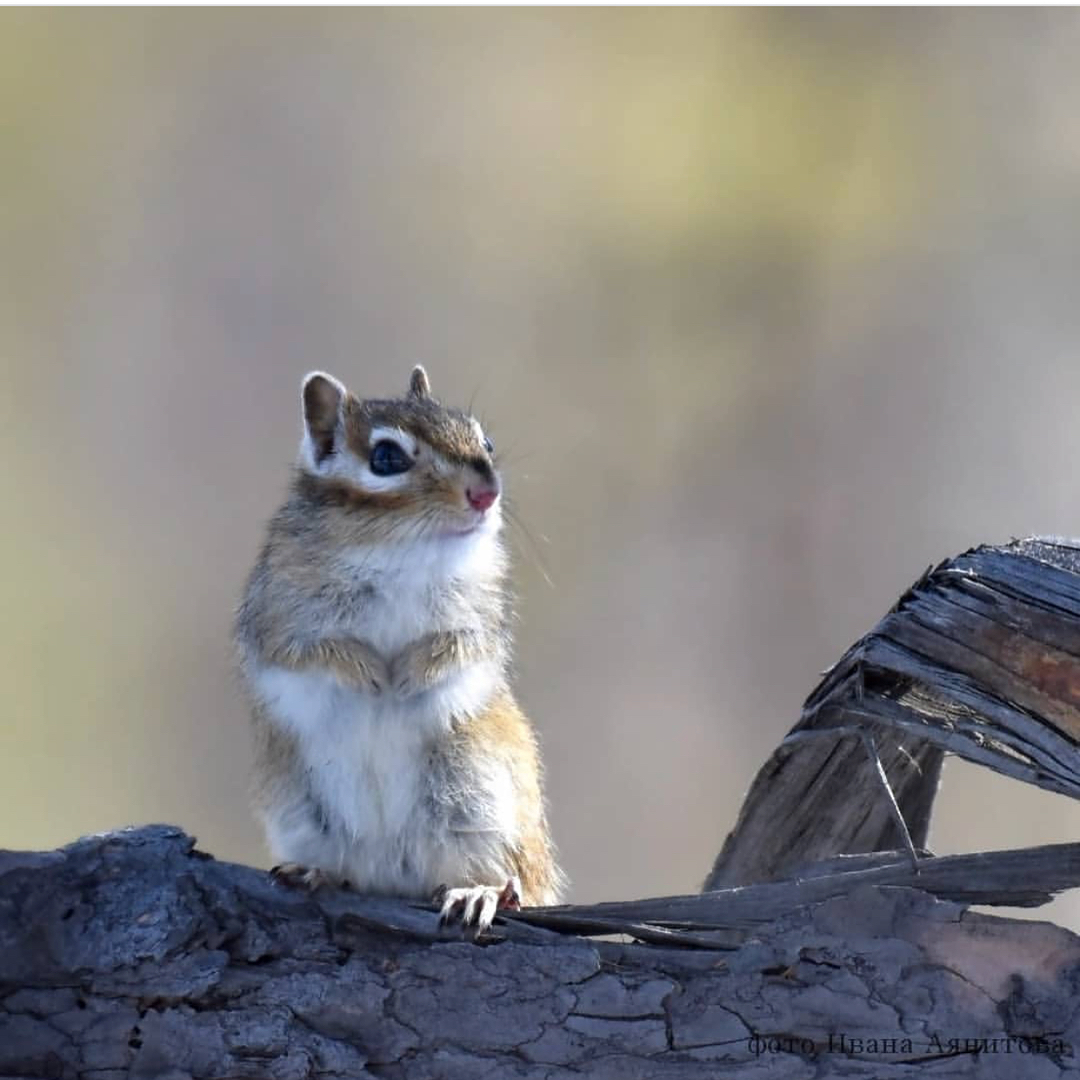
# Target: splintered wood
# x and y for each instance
(979, 658)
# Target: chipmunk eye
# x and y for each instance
(387, 458)
(489, 446)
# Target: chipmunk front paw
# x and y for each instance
(359, 666)
(472, 908)
(426, 662)
(309, 878)
(410, 673)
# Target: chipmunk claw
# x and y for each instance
(404, 685)
(406, 676)
(297, 876)
(473, 908)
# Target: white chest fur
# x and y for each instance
(419, 589)
(368, 810)
(370, 797)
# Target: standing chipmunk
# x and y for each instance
(374, 647)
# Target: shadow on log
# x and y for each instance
(818, 951)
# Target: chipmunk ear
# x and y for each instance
(323, 399)
(419, 386)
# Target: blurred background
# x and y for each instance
(766, 311)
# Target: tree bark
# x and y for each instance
(133, 954)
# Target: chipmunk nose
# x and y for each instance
(481, 496)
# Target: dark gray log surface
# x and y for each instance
(134, 955)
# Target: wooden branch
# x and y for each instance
(135, 955)
(978, 658)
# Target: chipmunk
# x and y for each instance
(374, 645)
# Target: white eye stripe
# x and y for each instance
(370, 482)
(394, 435)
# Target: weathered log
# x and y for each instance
(978, 658)
(133, 954)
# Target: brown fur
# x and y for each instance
(419, 387)
(434, 657)
(504, 731)
(322, 398)
(447, 431)
(299, 595)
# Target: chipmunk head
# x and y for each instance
(405, 468)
